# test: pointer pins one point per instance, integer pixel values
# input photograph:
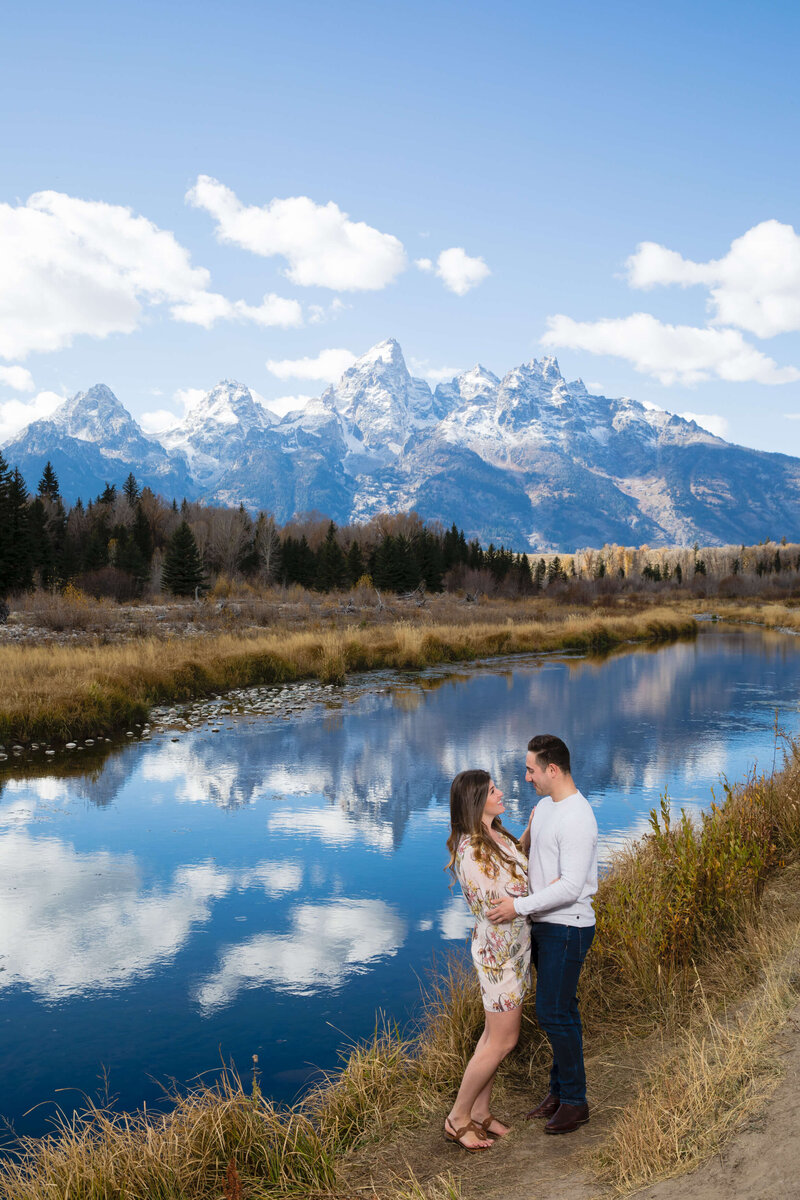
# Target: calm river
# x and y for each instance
(264, 883)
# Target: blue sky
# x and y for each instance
(575, 165)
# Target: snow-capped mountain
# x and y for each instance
(528, 460)
(91, 440)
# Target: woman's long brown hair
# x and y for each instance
(468, 793)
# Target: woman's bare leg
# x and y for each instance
(499, 1037)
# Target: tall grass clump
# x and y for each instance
(214, 1136)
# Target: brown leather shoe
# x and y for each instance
(567, 1118)
(548, 1108)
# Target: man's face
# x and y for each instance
(541, 777)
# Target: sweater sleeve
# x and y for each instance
(576, 842)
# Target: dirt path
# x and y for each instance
(762, 1162)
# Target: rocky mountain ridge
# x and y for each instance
(529, 460)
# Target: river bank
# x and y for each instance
(693, 923)
(55, 694)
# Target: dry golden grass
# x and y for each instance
(213, 1137)
(713, 1073)
(53, 693)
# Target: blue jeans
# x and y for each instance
(557, 952)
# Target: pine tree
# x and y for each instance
(429, 560)
(43, 552)
(5, 538)
(48, 484)
(142, 534)
(331, 566)
(19, 553)
(131, 490)
(355, 563)
(183, 570)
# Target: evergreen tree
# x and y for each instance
(331, 566)
(678, 573)
(108, 495)
(183, 569)
(554, 570)
(128, 557)
(142, 534)
(132, 490)
(394, 569)
(355, 563)
(19, 554)
(5, 538)
(48, 484)
(429, 560)
(43, 552)
(299, 561)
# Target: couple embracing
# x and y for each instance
(532, 901)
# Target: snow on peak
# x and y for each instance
(228, 404)
(388, 351)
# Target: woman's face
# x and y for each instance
(494, 803)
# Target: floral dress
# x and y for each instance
(501, 953)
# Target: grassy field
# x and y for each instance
(56, 693)
(689, 920)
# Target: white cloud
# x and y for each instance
(419, 367)
(755, 286)
(17, 378)
(281, 405)
(73, 267)
(328, 366)
(16, 414)
(423, 264)
(458, 272)
(322, 246)
(320, 314)
(83, 267)
(158, 421)
(671, 353)
(713, 422)
(208, 308)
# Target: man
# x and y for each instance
(561, 841)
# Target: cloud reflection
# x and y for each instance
(328, 943)
(80, 922)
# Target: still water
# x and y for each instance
(264, 889)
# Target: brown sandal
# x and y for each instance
(484, 1125)
(457, 1135)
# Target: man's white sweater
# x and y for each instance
(563, 849)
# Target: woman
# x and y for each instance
(489, 864)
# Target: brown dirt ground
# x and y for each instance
(761, 1161)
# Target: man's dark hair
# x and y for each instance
(550, 749)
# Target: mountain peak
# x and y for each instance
(546, 369)
(94, 415)
(387, 351)
(227, 404)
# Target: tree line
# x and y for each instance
(128, 540)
